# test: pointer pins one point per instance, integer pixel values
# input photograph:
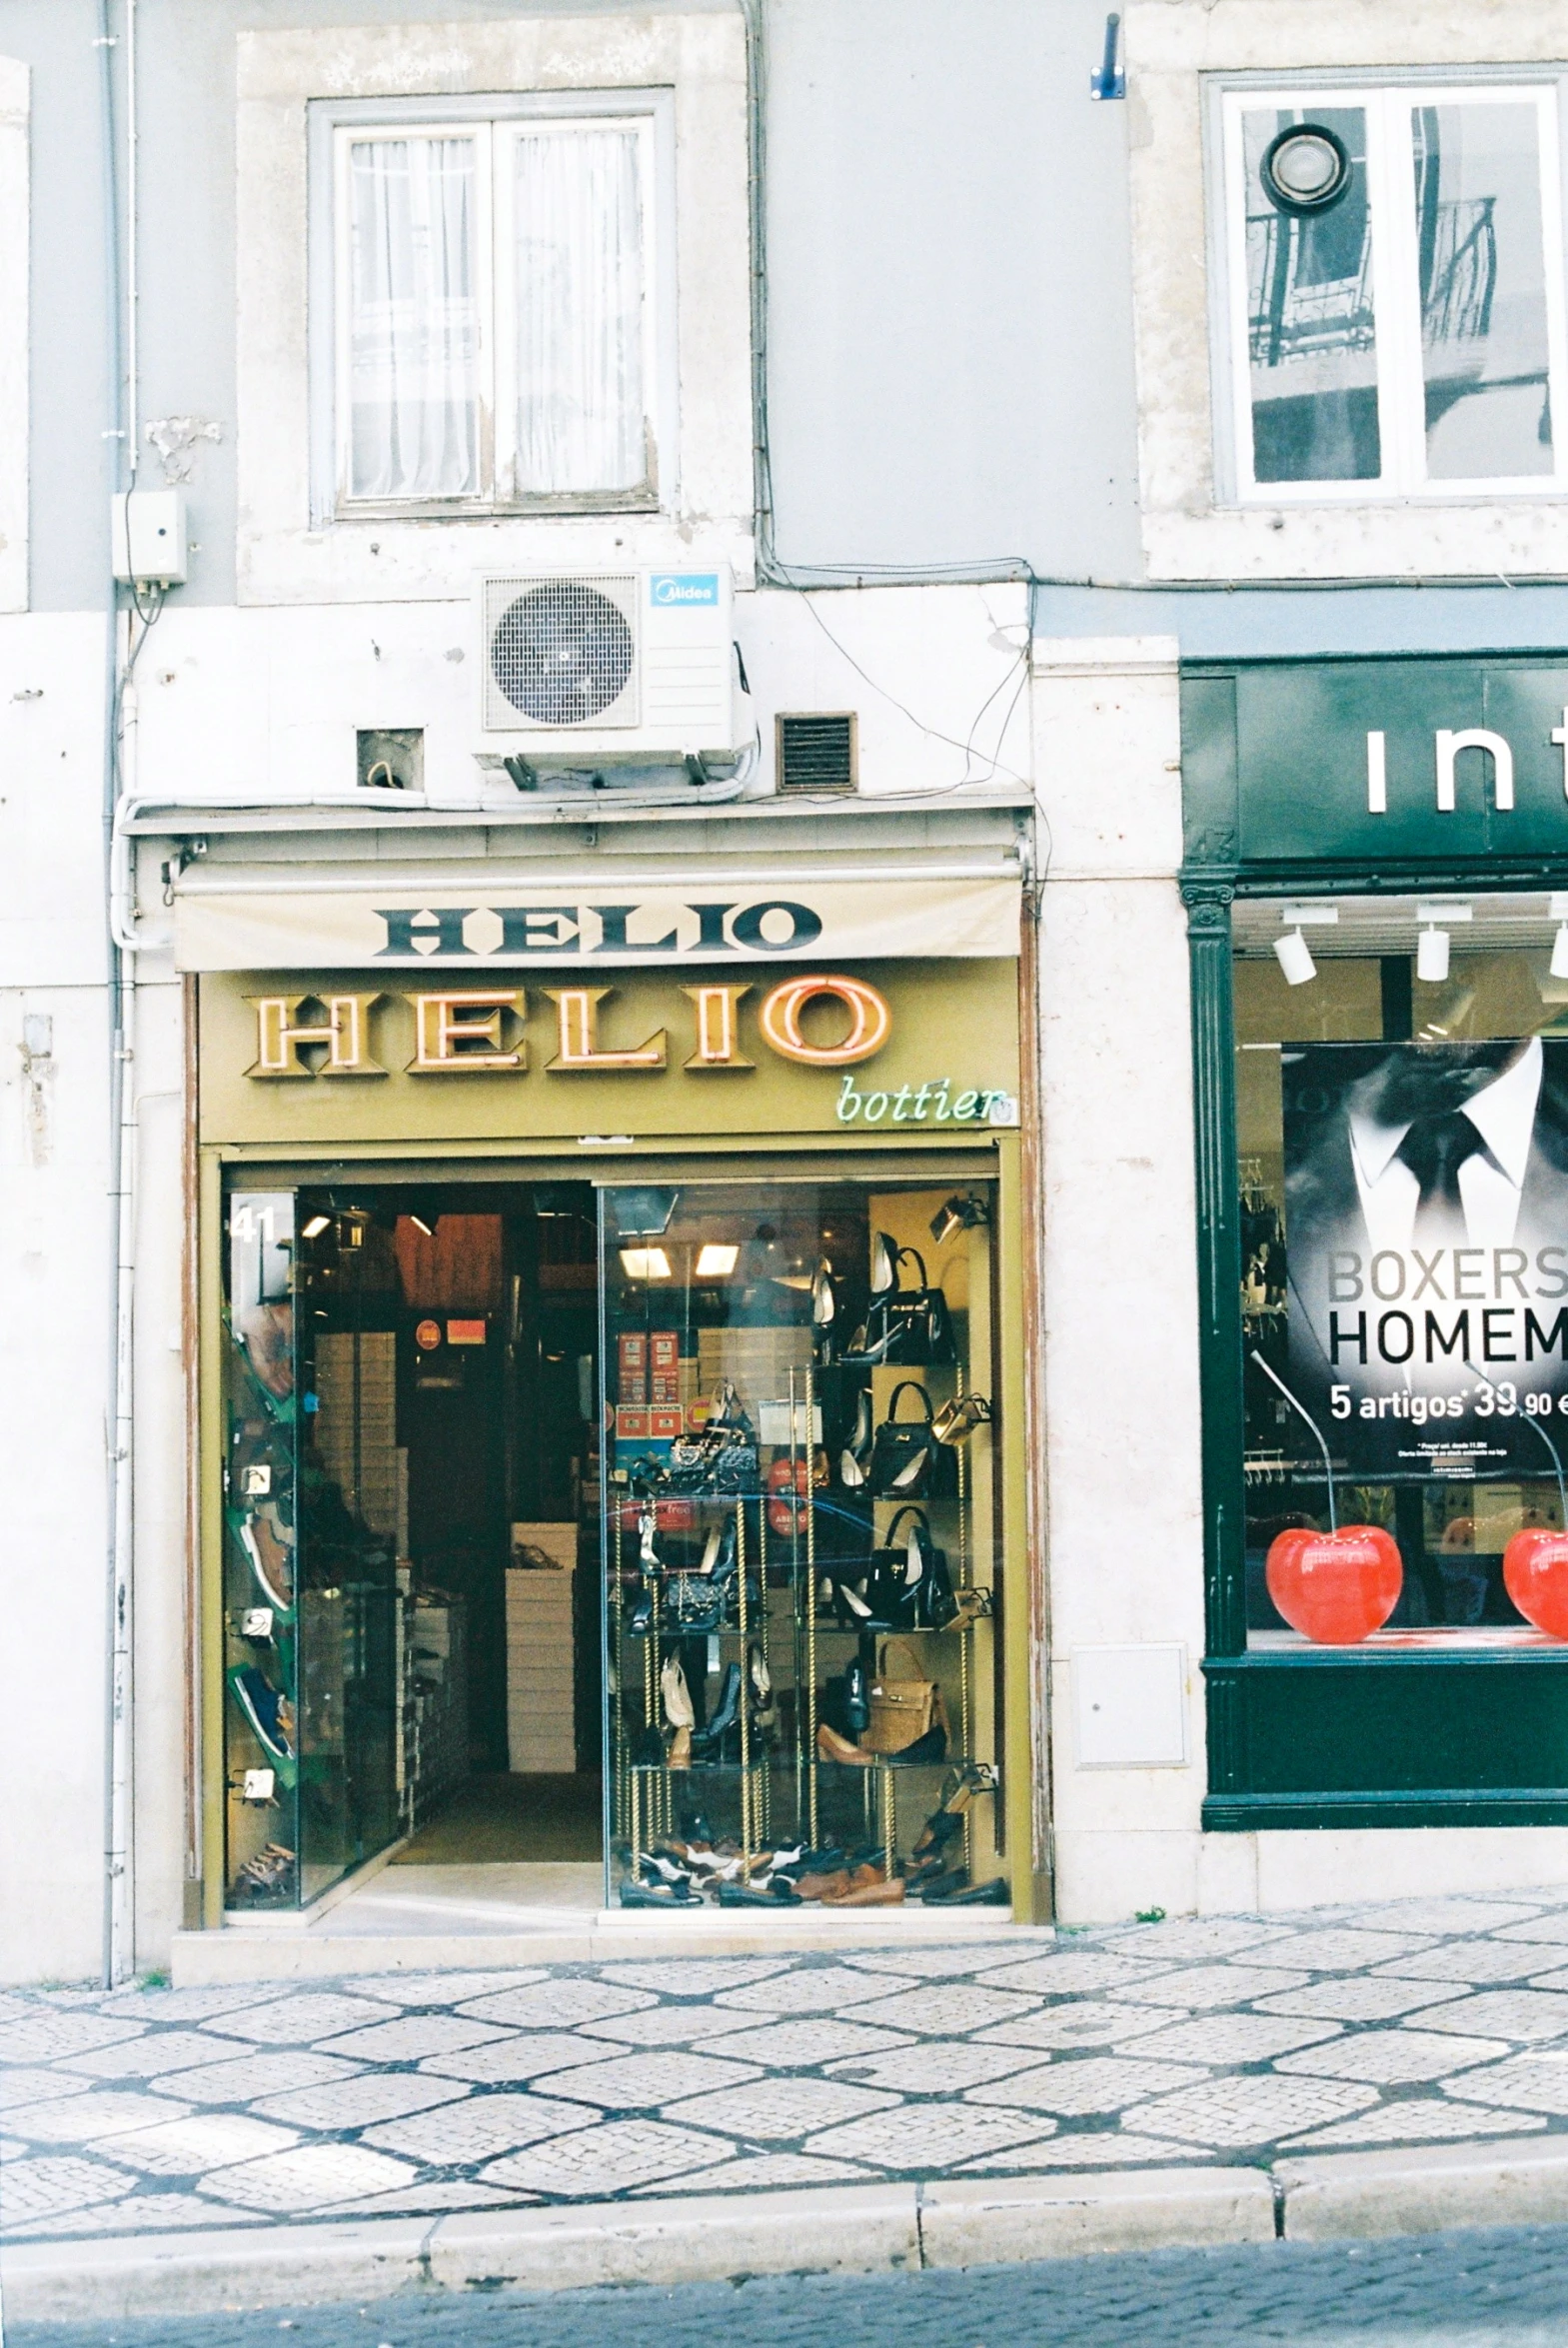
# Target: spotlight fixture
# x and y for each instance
(314, 1229)
(1431, 957)
(1559, 911)
(645, 1263)
(1293, 951)
(960, 1213)
(1432, 947)
(716, 1261)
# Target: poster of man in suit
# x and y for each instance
(1426, 1216)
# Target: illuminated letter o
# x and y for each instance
(870, 1021)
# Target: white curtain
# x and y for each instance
(580, 357)
(414, 324)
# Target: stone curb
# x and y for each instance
(203, 1959)
(1501, 2181)
(849, 2229)
(855, 2229)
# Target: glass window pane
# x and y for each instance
(1401, 1184)
(414, 319)
(260, 1605)
(1483, 291)
(1312, 348)
(801, 1567)
(579, 270)
(349, 1510)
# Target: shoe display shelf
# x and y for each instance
(786, 1790)
(975, 1620)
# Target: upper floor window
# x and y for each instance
(1395, 304)
(500, 306)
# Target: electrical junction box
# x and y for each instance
(147, 532)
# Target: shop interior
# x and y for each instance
(612, 1543)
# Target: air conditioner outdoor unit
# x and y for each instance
(634, 667)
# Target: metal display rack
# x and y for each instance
(788, 1793)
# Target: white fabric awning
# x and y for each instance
(237, 918)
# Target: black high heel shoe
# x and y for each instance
(857, 1700)
(708, 1744)
(641, 1619)
(855, 1459)
(718, 1555)
(824, 1310)
(847, 1601)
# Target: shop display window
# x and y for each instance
(652, 1528)
(799, 1509)
(1402, 1129)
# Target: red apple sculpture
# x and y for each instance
(1535, 1576)
(1338, 1587)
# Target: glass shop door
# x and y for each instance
(310, 1586)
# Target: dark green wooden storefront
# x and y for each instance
(1277, 802)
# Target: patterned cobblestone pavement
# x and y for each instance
(1232, 2040)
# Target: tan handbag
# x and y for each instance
(903, 1707)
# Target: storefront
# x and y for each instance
(1377, 888)
(612, 1389)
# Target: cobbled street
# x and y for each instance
(1503, 2288)
(1229, 2040)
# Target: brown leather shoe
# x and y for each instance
(818, 1886)
(878, 1895)
(830, 1747)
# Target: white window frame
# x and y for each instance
(493, 123)
(1400, 380)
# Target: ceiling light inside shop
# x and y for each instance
(1431, 957)
(1559, 912)
(1432, 947)
(420, 1225)
(1295, 958)
(645, 1263)
(314, 1229)
(714, 1261)
(1293, 950)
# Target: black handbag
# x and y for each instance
(723, 1456)
(908, 1462)
(911, 1325)
(910, 1587)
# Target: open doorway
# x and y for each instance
(429, 1672)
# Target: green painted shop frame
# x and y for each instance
(1280, 796)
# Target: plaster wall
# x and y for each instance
(264, 703)
(1120, 1302)
(54, 1274)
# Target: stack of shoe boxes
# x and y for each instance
(759, 1360)
(436, 1713)
(540, 1669)
(360, 1366)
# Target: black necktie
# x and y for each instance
(1434, 1150)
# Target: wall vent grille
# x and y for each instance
(815, 754)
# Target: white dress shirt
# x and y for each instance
(1491, 1181)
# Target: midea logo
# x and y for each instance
(684, 587)
(773, 925)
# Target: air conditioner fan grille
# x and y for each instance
(562, 652)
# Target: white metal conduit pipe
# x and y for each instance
(119, 1950)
